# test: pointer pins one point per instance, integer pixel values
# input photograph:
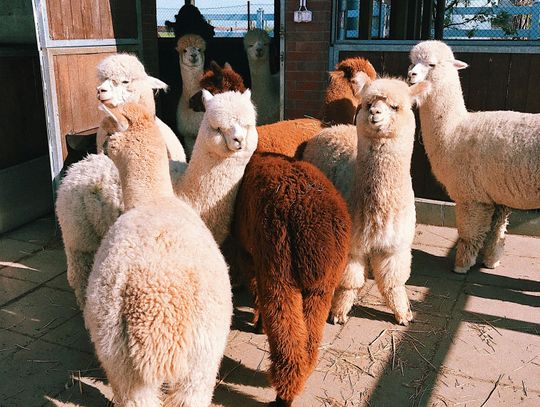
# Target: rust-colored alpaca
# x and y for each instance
(294, 230)
(283, 137)
(342, 94)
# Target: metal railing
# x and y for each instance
(228, 21)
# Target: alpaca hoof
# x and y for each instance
(279, 402)
(492, 265)
(404, 319)
(461, 270)
(340, 319)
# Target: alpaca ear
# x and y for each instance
(459, 64)
(227, 66)
(247, 94)
(419, 91)
(206, 97)
(115, 116)
(156, 83)
(214, 66)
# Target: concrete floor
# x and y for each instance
(475, 340)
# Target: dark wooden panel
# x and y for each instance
(518, 82)
(22, 116)
(396, 64)
(533, 95)
(92, 19)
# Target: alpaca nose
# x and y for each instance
(374, 110)
(411, 74)
(259, 52)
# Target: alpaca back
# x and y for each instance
(158, 290)
(294, 207)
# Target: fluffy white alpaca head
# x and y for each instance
(387, 108)
(191, 48)
(429, 59)
(123, 79)
(229, 124)
(256, 45)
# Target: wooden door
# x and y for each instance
(73, 36)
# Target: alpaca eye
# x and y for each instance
(368, 105)
(185, 51)
(395, 107)
(125, 82)
(432, 65)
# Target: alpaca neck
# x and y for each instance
(261, 78)
(191, 76)
(145, 184)
(210, 185)
(442, 111)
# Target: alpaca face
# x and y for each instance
(256, 44)
(228, 126)
(386, 108)
(191, 48)
(428, 58)
(358, 81)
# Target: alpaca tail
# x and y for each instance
(283, 320)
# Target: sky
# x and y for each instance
(209, 3)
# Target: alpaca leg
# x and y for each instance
(473, 223)
(129, 389)
(257, 319)
(283, 320)
(391, 272)
(316, 307)
(196, 390)
(79, 265)
(352, 281)
(494, 244)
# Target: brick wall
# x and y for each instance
(149, 37)
(306, 58)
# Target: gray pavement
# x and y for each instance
(475, 340)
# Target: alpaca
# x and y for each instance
(159, 303)
(382, 199)
(123, 79)
(265, 86)
(346, 83)
(212, 179)
(333, 150)
(293, 229)
(89, 198)
(271, 136)
(487, 161)
(191, 48)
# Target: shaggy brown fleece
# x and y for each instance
(217, 80)
(339, 102)
(294, 230)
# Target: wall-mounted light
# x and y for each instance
(302, 15)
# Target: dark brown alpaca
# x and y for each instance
(342, 93)
(294, 230)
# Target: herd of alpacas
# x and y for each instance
(300, 211)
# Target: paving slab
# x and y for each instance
(13, 250)
(11, 288)
(40, 267)
(40, 232)
(39, 312)
(30, 376)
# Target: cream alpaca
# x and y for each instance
(190, 49)
(89, 198)
(123, 79)
(486, 160)
(264, 85)
(227, 138)
(382, 199)
(159, 300)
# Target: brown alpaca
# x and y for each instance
(271, 136)
(294, 230)
(342, 94)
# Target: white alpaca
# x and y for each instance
(214, 173)
(159, 304)
(190, 49)
(123, 79)
(382, 199)
(89, 198)
(265, 87)
(487, 161)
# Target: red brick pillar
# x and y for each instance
(306, 58)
